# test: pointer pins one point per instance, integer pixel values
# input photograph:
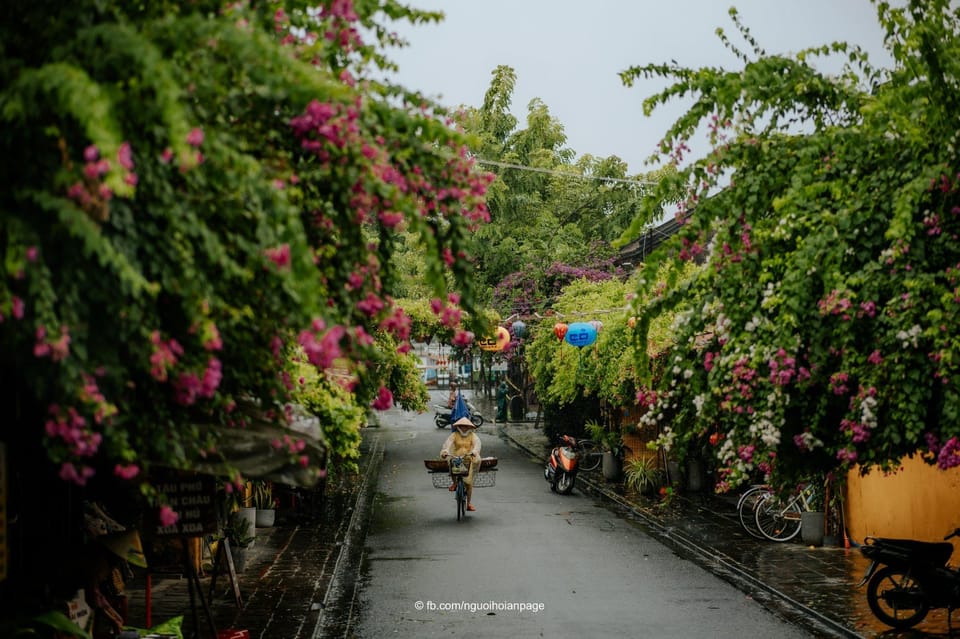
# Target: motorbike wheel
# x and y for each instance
(441, 422)
(477, 420)
(565, 483)
(896, 598)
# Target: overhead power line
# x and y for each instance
(535, 169)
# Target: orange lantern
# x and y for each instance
(560, 330)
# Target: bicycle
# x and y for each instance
(780, 521)
(590, 454)
(747, 507)
(453, 470)
(459, 470)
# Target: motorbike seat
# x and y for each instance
(932, 552)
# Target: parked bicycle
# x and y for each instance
(764, 515)
(590, 454)
(747, 508)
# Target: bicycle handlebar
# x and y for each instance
(955, 533)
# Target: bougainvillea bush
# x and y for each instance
(820, 331)
(194, 191)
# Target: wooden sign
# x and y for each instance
(192, 496)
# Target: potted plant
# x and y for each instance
(239, 532)
(812, 520)
(613, 447)
(263, 500)
(643, 475)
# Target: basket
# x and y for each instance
(441, 480)
(437, 465)
(484, 479)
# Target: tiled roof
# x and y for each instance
(638, 250)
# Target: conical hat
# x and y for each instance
(464, 421)
(125, 545)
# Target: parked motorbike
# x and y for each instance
(442, 416)
(908, 578)
(562, 466)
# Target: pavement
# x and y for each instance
(300, 579)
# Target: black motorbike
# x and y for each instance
(442, 416)
(907, 578)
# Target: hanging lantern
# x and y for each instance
(560, 330)
(503, 338)
(581, 334)
(519, 329)
(496, 343)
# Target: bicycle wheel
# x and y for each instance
(746, 509)
(778, 521)
(896, 598)
(590, 455)
(461, 499)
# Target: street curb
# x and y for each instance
(709, 559)
(341, 591)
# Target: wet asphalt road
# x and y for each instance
(528, 563)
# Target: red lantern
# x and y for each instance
(560, 330)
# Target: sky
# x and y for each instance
(569, 55)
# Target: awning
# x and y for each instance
(252, 450)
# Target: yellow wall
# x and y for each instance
(917, 502)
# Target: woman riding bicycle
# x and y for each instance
(464, 442)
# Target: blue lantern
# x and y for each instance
(581, 334)
(519, 329)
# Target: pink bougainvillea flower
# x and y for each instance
(32, 253)
(125, 156)
(279, 255)
(195, 137)
(354, 281)
(463, 338)
(91, 153)
(187, 388)
(371, 305)
(322, 352)
(362, 337)
(167, 156)
(128, 471)
(168, 517)
(212, 377)
(18, 307)
(384, 399)
(69, 472)
(390, 219)
(398, 323)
